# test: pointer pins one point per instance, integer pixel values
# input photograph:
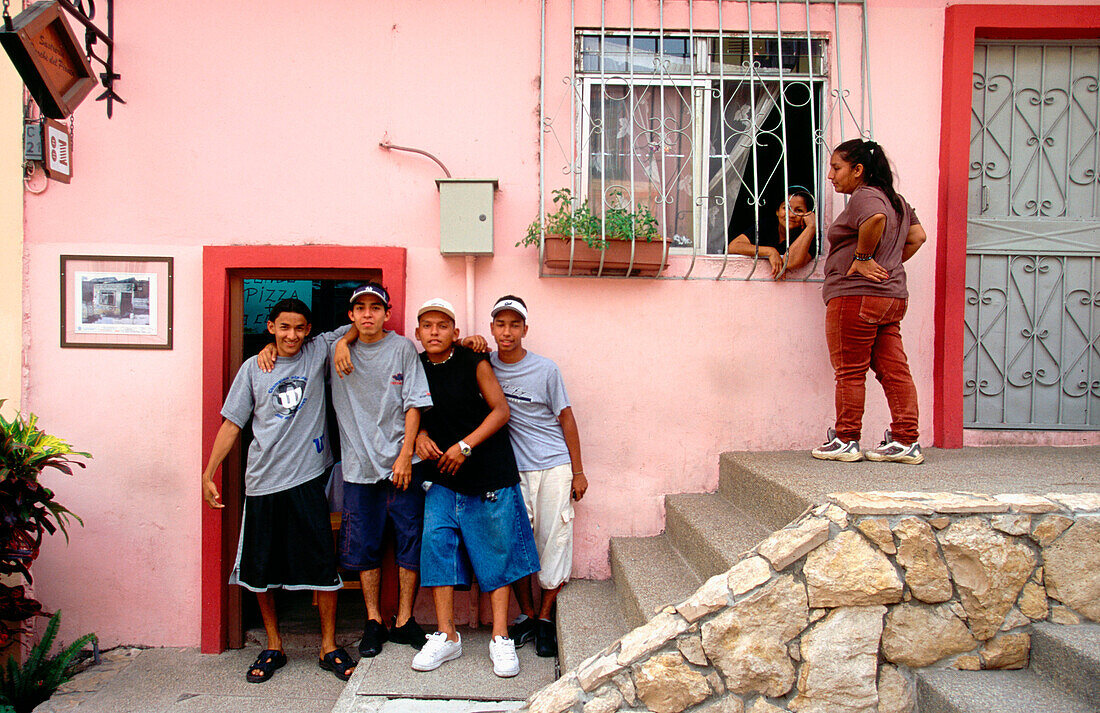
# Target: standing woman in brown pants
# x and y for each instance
(866, 297)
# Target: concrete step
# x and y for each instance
(1024, 691)
(649, 573)
(748, 481)
(709, 531)
(1068, 656)
(589, 619)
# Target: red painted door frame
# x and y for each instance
(219, 262)
(963, 25)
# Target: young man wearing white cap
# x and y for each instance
(548, 452)
(475, 522)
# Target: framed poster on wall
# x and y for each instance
(116, 302)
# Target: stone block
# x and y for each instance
(748, 574)
(691, 647)
(917, 635)
(666, 684)
(650, 636)
(840, 663)
(1077, 502)
(1072, 567)
(1025, 502)
(712, 596)
(877, 530)
(1006, 651)
(848, 571)
(895, 691)
(925, 571)
(1049, 528)
(1015, 523)
(879, 503)
(1033, 601)
(747, 643)
(784, 547)
(989, 570)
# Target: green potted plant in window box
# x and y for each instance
(578, 238)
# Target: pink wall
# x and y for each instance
(262, 127)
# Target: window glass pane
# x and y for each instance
(645, 58)
(796, 55)
(749, 172)
(645, 152)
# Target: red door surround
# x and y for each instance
(219, 263)
(963, 25)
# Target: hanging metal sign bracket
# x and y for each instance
(47, 55)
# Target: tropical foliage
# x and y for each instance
(22, 687)
(27, 508)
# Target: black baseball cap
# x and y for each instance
(371, 288)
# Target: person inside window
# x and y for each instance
(789, 242)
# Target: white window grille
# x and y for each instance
(706, 112)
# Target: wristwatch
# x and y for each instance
(464, 447)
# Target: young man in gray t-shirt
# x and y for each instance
(378, 401)
(286, 539)
(548, 452)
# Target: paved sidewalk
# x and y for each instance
(184, 681)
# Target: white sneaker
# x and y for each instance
(438, 649)
(502, 651)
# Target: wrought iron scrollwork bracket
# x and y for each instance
(92, 36)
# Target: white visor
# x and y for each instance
(514, 305)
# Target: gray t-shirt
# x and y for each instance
(371, 403)
(536, 395)
(287, 408)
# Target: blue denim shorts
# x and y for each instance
(468, 535)
(368, 509)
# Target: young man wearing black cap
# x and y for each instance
(378, 402)
(548, 452)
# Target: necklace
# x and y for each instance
(441, 363)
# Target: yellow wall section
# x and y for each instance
(11, 235)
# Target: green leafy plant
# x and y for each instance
(27, 508)
(22, 687)
(571, 217)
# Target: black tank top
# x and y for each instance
(458, 409)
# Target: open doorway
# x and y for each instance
(252, 295)
(225, 269)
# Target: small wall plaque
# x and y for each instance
(49, 58)
(57, 147)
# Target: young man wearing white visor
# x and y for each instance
(548, 452)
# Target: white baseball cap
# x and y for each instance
(437, 304)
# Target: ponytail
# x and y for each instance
(876, 169)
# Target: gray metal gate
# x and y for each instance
(1032, 352)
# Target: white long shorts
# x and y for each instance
(548, 497)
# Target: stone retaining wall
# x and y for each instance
(834, 611)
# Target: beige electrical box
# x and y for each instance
(466, 215)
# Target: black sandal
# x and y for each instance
(339, 662)
(266, 663)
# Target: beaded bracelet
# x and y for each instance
(863, 257)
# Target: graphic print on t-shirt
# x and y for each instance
(287, 395)
(514, 393)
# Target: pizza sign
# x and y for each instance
(57, 155)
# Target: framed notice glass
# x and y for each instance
(116, 302)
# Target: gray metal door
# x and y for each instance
(1032, 351)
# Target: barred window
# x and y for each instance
(708, 132)
(708, 114)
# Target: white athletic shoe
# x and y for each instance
(438, 649)
(502, 651)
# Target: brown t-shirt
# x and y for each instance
(843, 235)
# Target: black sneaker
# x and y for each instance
(409, 633)
(374, 635)
(546, 638)
(522, 631)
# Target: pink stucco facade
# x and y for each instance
(260, 125)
